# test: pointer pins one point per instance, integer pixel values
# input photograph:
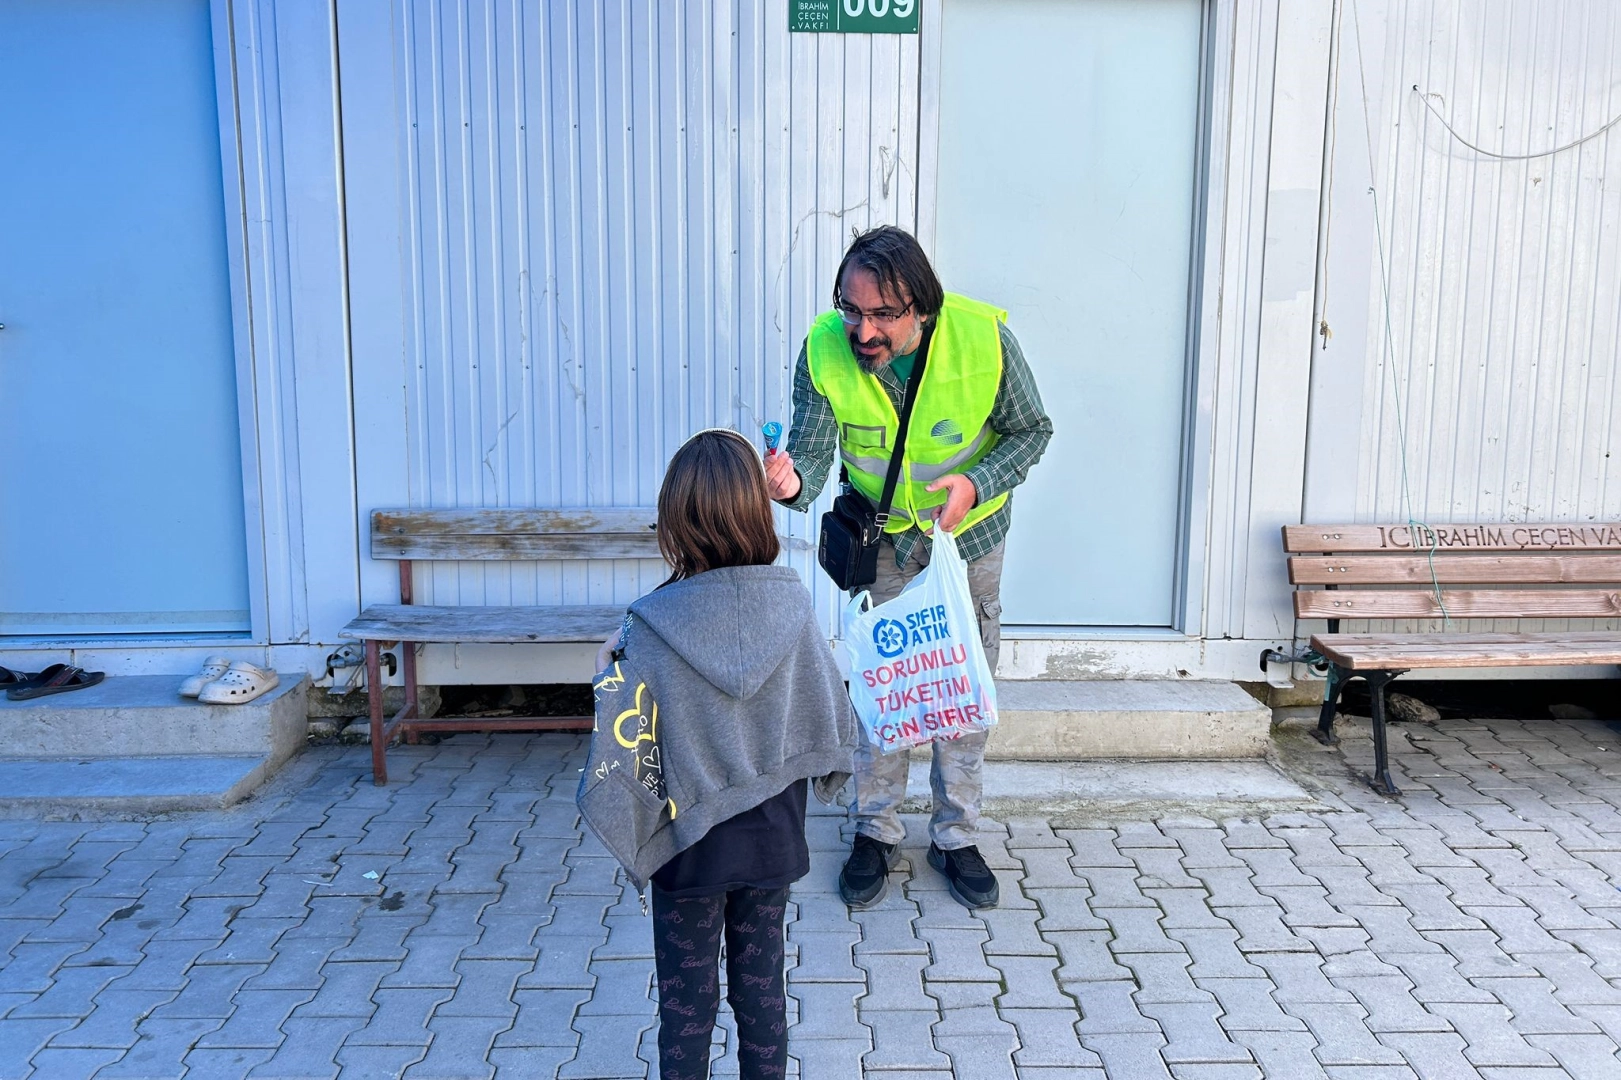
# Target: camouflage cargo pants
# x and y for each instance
(955, 773)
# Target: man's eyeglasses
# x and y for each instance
(884, 318)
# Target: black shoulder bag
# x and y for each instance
(848, 547)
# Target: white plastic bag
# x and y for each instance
(917, 665)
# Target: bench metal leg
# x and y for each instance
(1377, 681)
(374, 695)
(408, 662)
(1337, 678)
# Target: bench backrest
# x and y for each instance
(1550, 571)
(514, 534)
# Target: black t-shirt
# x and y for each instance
(762, 848)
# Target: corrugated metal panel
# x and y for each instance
(1490, 385)
(620, 219)
(1241, 134)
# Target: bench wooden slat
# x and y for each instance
(406, 522)
(507, 534)
(1460, 604)
(488, 625)
(1488, 536)
(1375, 651)
(1454, 569)
(510, 546)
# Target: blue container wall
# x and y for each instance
(120, 463)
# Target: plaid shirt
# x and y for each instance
(1017, 417)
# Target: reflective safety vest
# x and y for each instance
(950, 428)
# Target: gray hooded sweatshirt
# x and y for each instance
(727, 693)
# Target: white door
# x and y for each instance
(1068, 145)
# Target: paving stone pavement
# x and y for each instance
(458, 924)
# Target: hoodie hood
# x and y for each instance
(729, 676)
(733, 626)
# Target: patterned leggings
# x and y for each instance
(686, 948)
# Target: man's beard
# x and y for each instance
(872, 365)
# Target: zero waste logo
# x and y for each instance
(890, 637)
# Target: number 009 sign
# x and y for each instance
(853, 16)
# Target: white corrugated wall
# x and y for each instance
(579, 231)
(1472, 303)
(616, 222)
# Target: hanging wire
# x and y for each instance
(1425, 99)
(1385, 376)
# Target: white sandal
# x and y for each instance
(213, 668)
(241, 683)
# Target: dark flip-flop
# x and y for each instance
(15, 680)
(56, 679)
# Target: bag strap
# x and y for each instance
(897, 456)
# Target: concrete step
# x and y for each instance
(132, 745)
(1058, 790)
(60, 787)
(144, 715)
(1127, 718)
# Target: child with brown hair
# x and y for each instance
(718, 700)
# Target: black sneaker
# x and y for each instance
(864, 881)
(971, 881)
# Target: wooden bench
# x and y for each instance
(1450, 573)
(486, 535)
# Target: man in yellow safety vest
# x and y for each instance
(977, 426)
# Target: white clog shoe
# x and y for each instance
(213, 668)
(242, 682)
